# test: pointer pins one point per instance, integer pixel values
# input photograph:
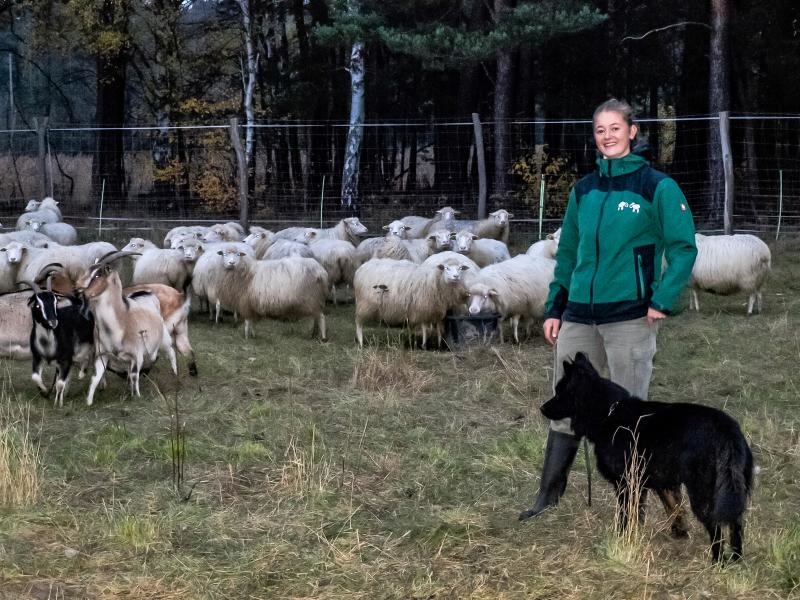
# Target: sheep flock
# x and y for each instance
(417, 273)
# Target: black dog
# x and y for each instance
(697, 446)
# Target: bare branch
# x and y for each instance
(656, 30)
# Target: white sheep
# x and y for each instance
(165, 266)
(182, 232)
(483, 251)
(61, 233)
(260, 239)
(137, 244)
(547, 247)
(48, 203)
(224, 232)
(495, 226)
(349, 229)
(420, 227)
(727, 264)
(288, 288)
(16, 323)
(29, 261)
(402, 293)
(207, 274)
(370, 247)
(30, 238)
(514, 288)
(339, 260)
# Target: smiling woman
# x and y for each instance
(609, 294)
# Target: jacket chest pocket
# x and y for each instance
(644, 269)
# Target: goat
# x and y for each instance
(61, 334)
(129, 331)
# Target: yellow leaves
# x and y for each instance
(559, 177)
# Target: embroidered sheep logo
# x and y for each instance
(622, 205)
(635, 207)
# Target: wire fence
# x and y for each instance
(132, 179)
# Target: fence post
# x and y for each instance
(241, 164)
(481, 158)
(44, 172)
(727, 165)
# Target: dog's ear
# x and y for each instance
(584, 364)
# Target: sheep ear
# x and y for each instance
(474, 237)
(441, 267)
(453, 235)
(240, 253)
(510, 216)
(549, 236)
(493, 293)
(406, 227)
(385, 228)
(219, 252)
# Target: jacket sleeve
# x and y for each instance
(680, 250)
(565, 261)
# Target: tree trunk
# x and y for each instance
(718, 100)
(502, 109)
(110, 164)
(355, 132)
(248, 80)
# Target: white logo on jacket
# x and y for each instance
(633, 206)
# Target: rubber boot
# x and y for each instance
(558, 457)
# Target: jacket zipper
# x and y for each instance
(597, 239)
(640, 275)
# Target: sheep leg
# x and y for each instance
(360, 334)
(99, 371)
(515, 327)
(333, 294)
(424, 336)
(750, 302)
(693, 299)
(218, 309)
(758, 302)
(320, 326)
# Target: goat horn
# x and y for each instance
(31, 284)
(113, 256)
(47, 269)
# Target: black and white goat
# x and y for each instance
(62, 332)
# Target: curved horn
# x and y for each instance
(47, 269)
(31, 284)
(110, 257)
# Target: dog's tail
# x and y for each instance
(734, 480)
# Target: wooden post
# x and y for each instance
(727, 164)
(241, 163)
(480, 156)
(44, 172)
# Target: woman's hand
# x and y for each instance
(653, 316)
(551, 327)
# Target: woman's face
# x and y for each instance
(612, 134)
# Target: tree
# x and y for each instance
(718, 100)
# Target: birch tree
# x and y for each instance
(355, 131)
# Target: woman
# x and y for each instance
(609, 293)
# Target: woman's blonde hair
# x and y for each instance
(617, 106)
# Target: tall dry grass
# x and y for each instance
(20, 456)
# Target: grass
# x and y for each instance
(319, 470)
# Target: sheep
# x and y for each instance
(369, 247)
(206, 277)
(495, 226)
(16, 323)
(416, 250)
(339, 260)
(137, 244)
(40, 216)
(547, 247)
(34, 239)
(483, 251)
(61, 233)
(260, 239)
(169, 267)
(184, 231)
(61, 333)
(349, 229)
(224, 232)
(402, 293)
(514, 288)
(130, 330)
(727, 264)
(445, 219)
(75, 259)
(288, 288)
(48, 203)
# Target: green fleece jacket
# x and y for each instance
(620, 221)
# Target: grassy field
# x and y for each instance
(320, 471)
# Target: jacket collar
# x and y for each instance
(620, 166)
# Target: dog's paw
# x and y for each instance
(526, 514)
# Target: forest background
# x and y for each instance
(117, 91)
